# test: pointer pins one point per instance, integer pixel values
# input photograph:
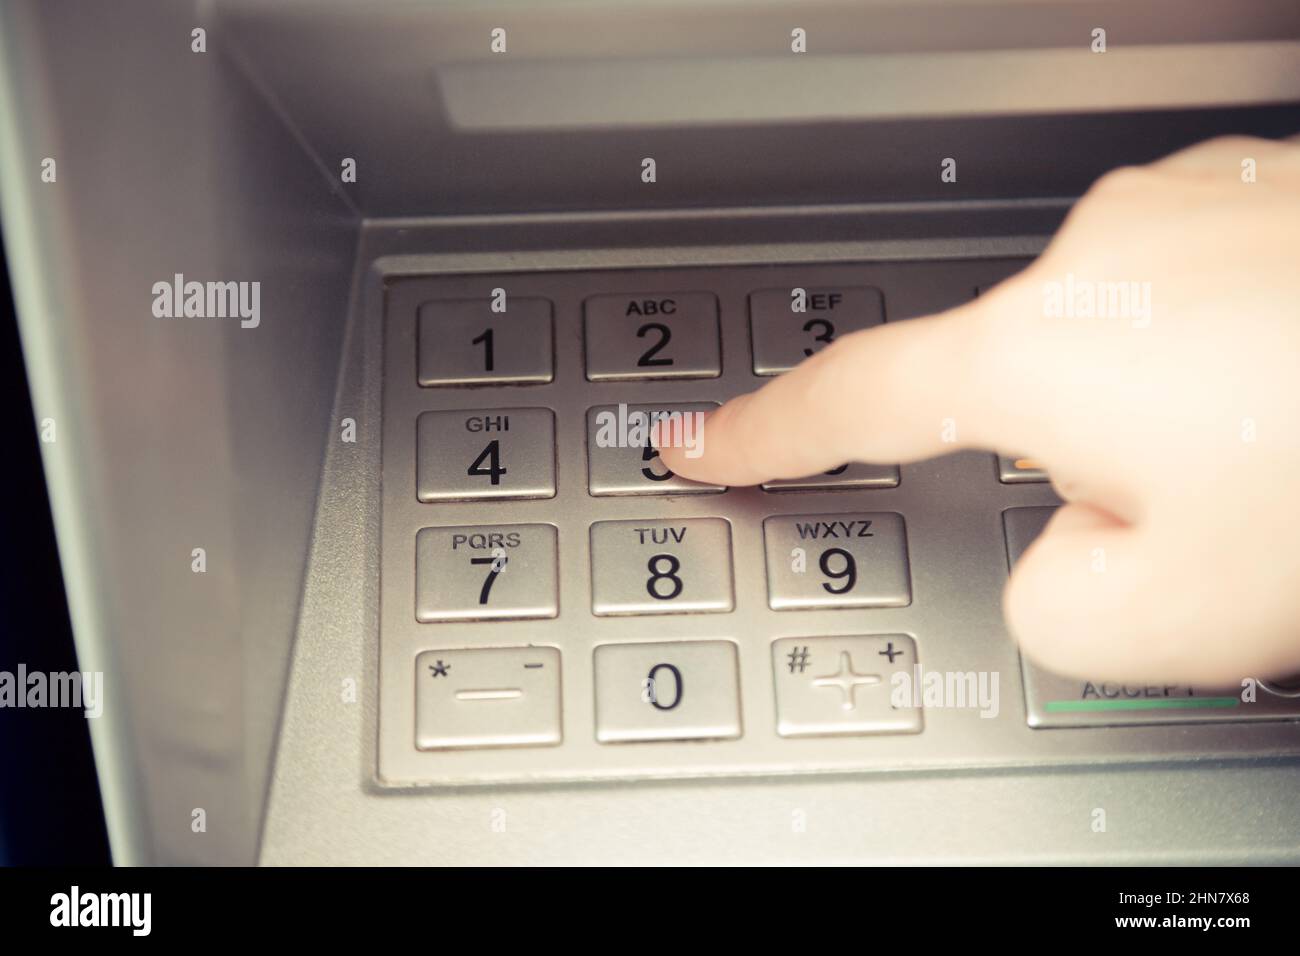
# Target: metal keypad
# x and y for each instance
(652, 335)
(680, 690)
(837, 560)
(693, 682)
(485, 341)
(483, 572)
(620, 458)
(488, 453)
(788, 325)
(661, 567)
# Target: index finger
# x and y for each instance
(890, 394)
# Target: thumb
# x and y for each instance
(1079, 599)
(894, 393)
(1094, 597)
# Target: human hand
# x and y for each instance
(1173, 436)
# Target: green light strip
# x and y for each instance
(1141, 703)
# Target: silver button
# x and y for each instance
(686, 690)
(1055, 701)
(464, 342)
(784, 336)
(487, 697)
(488, 453)
(620, 459)
(837, 560)
(661, 567)
(855, 475)
(652, 335)
(846, 685)
(482, 572)
(1012, 471)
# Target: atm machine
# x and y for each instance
(330, 300)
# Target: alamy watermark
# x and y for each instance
(75, 908)
(208, 300)
(624, 428)
(974, 690)
(25, 688)
(1085, 299)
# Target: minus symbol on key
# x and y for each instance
(505, 693)
(531, 666)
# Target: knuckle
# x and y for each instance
(1122, 181)
(1227, 143)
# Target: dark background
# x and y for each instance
(50, 810)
